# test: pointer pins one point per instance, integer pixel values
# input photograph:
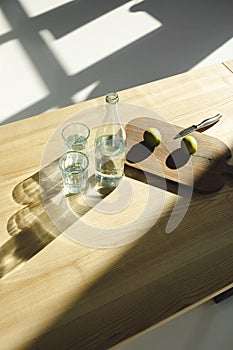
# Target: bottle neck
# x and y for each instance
(112, 113)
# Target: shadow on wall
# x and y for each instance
(190, 31)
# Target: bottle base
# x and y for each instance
(107, 181)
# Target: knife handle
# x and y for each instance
(209, 121)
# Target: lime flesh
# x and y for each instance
(189, 144)
(152, 137)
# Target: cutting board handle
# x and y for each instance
(227, 168)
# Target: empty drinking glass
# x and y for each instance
(76, 137)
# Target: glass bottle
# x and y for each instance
(110, 145)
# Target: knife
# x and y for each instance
(204, 123)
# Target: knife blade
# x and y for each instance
(204, 123)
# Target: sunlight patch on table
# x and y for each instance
(23, 84)
(120, 218)
(100, 38)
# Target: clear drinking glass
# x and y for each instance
(74, 167)
(76, 137)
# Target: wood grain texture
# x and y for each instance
(59, 294)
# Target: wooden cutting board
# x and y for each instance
(202, 170)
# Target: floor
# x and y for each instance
(207, 327)
(54, 53)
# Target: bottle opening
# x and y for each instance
(112, 97)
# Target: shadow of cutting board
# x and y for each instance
(202, 170)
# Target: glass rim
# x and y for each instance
(73, 152)
(76, 123)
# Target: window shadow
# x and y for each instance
(190, 31)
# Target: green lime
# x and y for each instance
(189, 144)
(152, 137)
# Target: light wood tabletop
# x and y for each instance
(61, 293)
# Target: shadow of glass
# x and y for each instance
(31, 228)
(27, 191)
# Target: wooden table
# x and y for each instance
(58, 294)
